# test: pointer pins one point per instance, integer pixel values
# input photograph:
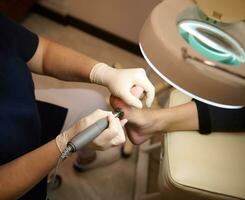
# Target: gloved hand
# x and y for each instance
(112, 136)
(120, 81)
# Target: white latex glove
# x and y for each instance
(112, 136)
(120, 82)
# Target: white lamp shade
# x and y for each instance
(161, 44)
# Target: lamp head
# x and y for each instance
(193, 48)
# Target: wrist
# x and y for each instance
(63, 138)
(101, 73)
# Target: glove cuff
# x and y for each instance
(100, 74)
(61, 144)
(62, 139)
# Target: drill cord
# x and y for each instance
(67, 152)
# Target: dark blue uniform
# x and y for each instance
(24, 123)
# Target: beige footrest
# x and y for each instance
(196, 166)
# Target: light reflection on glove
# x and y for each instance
(120, 82)
(112, 136)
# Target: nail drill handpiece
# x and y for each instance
(91, 132)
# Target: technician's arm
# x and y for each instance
(63, 63)
(21, 174)
(60, 62)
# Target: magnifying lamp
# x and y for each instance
(201, 55)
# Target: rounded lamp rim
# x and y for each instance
(162, 76)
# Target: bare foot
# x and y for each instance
(118, 103)
(133, 131)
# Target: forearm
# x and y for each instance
(21, 174)
(61, 62)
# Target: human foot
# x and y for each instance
(136, 128)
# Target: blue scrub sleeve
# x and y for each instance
(16, 40)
